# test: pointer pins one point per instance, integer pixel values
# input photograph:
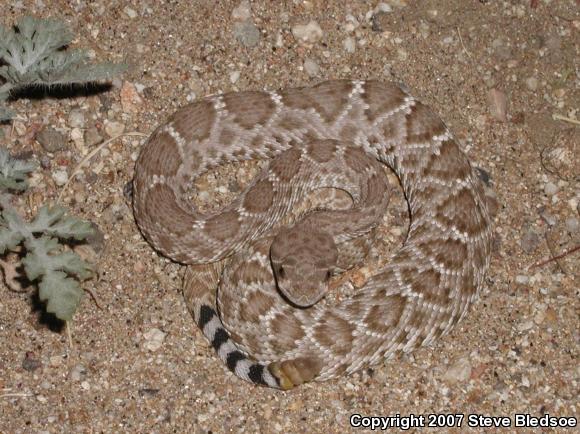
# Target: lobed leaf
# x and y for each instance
(31, 41)
(62, 294)
(9, 240)
(5, 113)
(54, 221)
(14, 172)
(34, 52)
(45, 255)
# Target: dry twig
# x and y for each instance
(555, 258)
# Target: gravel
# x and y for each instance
(519, 338)
(51, 140)
(247, 34)
(308, 33)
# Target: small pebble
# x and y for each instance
(242, 12)
(56, 361)
(540, 315)
(30, 363)
(525, 326)
(349, 45)
(501, 49)
(550, 189)
(311, 67)
(113, 128)
(96, 240)
(351, 23)
(60, 177)
(92, 137)
(572, 225)
(153, 339)
(234, 76)
(51, 140)
(448, 40)
(20, 128)
(525, 382)
(77, 372)
(130, 98)
(381, 21)
(131, 13)
(383, 7)
(247, 34)
(78, 139)
(532, 83)
(44, 162)
(458, 372)
(530, 241)
(76, 118)
(139, 267)
(309, 33)
(550, 219)
(522, 279)
(498, 104)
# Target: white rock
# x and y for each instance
(458, 372)
(532, 83)
(78, 137)
(113, 128)
(234, 76)
(311, 67)
(247, 33)
(76, 118)
(131, 13)
(77, 372)
(76, 134)
(309, 33)
(525, 326)
(349, 45)
(383, 7)
(522, 279)
(56, 361)
(550, 189)
(242, 12)
(153, 339)
(279, 40)
(350, 27)
(60, 177)
(351, 23)
(572, 224)
(525, 381)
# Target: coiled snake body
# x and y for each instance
(271, 338)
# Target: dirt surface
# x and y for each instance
(495, 71)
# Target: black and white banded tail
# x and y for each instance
(239, 363)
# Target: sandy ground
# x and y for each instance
(495, 71)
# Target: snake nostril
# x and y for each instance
(281, 272)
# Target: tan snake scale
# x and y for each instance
(425, 289)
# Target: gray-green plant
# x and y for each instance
(41, 244)
(34, 53)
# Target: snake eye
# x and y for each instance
(281, 272)
(328, 275)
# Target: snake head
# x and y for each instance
(303, 260)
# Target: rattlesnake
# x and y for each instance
(419, 295)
